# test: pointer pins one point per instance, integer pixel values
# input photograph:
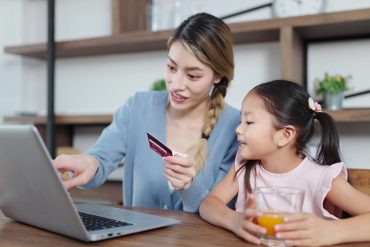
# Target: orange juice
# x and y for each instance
(268, 220)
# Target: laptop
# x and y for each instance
(31, 192)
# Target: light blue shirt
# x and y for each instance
(144, 182)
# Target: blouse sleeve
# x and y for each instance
(111, 146)
(332, 172)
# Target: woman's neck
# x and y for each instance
(184, 128)
(193, 114)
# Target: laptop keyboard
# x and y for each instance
(94, 222)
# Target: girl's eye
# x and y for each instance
(248, 122)
(193, 77)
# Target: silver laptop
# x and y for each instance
(32, 192)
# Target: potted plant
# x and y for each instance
(159, 85)
(332, 88)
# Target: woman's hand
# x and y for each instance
(304, 229)
(179, 171)
(83, 168)
(245, 226)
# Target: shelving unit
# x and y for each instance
(349, 24)
(351, 115)
(293, 35)
(63, 119)
(64, 124)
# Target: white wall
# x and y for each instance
(100, 84)
(10, 66)
(344, 58)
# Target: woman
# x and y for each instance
(191, 117)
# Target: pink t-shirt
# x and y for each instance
(315, 179)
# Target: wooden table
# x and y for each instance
(193, 231)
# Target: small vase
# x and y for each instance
(333, 101)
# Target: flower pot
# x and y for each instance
(333, 101)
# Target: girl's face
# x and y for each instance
(256, 131)
(188, 80)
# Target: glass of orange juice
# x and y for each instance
(274, 203)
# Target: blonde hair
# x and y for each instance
(209, 39)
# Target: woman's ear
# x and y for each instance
(286, 135)
(217, 78)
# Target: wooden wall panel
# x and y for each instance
(129, 15)
(292, 55)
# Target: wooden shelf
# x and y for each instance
(355, 23)
(123, 43)
(348, 115)
(361, 115)
(64, 125)
(62, 119)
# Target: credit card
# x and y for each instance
(158, 147)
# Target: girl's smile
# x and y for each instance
(242, 144)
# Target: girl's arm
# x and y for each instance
(214, 206)
(356, 203)
(214, 210)
(307, 229)
(344, 196)
(192, 203)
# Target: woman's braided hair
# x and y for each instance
(209, 39)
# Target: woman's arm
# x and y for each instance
(83, 168)
(111, 146)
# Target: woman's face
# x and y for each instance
(188, 81)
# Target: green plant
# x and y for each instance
(159, 85)
(332, 84)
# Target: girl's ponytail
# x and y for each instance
(328, 150)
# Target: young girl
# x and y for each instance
(278, 120)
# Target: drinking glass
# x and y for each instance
(274, 203)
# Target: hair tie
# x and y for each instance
(205, 136)
(313, 105)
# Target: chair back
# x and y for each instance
(360, 179)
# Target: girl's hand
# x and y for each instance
(83, 168)
(245, 226)
(179, 171)
(304, 229)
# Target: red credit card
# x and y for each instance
(158, 147)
